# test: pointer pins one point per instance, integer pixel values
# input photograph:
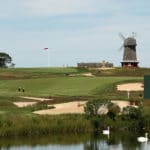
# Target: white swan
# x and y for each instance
(143, 139)
(106, 132)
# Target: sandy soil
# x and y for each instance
(74, 107)
(130, 87)
(70, 107)
(24, 104)
(87, 74)
(36, 98)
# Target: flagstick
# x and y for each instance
(48, 57)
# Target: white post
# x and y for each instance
(48, 57)
(128, 94)
(47, 49)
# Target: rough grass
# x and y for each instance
(136, 72)
(19, 125)
(26, 73)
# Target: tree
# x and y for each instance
(91, 108)
(113, 110)
(5, 59)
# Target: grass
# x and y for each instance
(26, 73)
(19, 125)
(56, 82)
(56, 86)
(62, 88)
(136, 72)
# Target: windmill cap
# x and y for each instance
(130, 41)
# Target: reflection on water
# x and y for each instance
(116, 141)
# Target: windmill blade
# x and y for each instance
(134, 34)
(121, 48)
(122, 36)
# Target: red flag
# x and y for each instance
(45, 48)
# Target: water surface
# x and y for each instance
(116, 141)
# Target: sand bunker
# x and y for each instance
(87, 74)
(24, 104)
(65, 108)
(121, 104)
(130, 87)
(74, 107)
(36, 98)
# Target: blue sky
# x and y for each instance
(73, 30)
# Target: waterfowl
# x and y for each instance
(106, 132)
(143, 139)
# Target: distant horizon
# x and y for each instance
(69, 66)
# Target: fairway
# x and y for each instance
(59, 86)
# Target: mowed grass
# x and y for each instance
(60, 86)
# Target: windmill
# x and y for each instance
(129, 55)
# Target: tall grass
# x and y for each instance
(21, 125)
(18, 125)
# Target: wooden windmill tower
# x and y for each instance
(129, 55)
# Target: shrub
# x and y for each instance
(133, 113)
(113, 110)
(91, 108)
(95, 122)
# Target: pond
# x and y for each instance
(97, 141)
